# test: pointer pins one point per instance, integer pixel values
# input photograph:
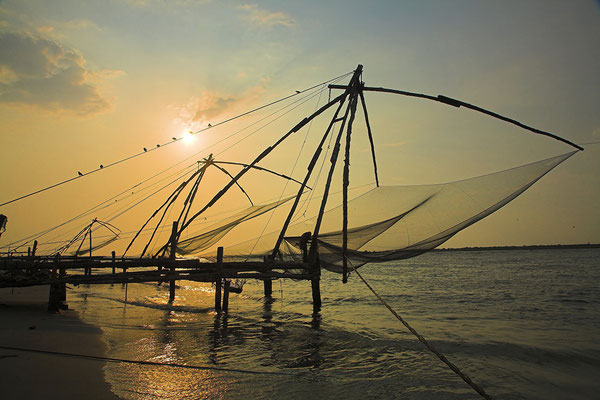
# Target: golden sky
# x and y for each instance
(90, 83)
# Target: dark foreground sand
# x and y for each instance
(25, 323)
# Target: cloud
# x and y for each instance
(265, 18)
(37, 71)
(202, 109)
(212, 106)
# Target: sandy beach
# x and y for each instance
(25, 323)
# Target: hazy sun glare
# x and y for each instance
(188, 138)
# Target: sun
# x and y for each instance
(188, 137)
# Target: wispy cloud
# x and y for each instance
(211, 106)
(39, 71)
(264, 18)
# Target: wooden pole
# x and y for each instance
(114, 255)
(314, 251)
(218, 279)
(226, 294)
(35, 245)
(172, 257)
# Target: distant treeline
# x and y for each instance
(532, 247)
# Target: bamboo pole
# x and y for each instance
(262, 155)
(310, 169)
(346, 182)
(457, 103)
(370, 134)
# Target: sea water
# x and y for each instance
(523, 324)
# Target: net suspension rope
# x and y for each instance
(429, 346)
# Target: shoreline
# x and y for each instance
(26, 323)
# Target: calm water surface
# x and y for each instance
(522, 324)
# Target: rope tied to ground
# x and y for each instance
(429, 346)
(141, 362)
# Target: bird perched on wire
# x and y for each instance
(209, 125)
(298, 92)
(101, 166)
(158, 145)
(145, 149)
(174, 138)
(79, 173)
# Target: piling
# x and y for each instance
(172, 257)
(218, 279)
(316, 285)
(268, 287)
(226, 286)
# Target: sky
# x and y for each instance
(90, 83)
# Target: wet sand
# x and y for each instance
(25, 323)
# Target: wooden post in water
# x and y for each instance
(35, 244)
(226, 294)
(316, 294)
(172, 257)
(218, 279)
(88, 270)
(268, 287)
(54, 292)
(114, 255)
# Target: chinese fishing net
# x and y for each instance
(385, 223)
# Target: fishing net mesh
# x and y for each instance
(385, 223)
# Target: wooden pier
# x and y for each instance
(57, 271)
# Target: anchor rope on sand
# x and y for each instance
(442, 357)
(141, 362)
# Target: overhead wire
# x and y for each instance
(24, 241)
(302, 100)
(104, 167)
(291, 173)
